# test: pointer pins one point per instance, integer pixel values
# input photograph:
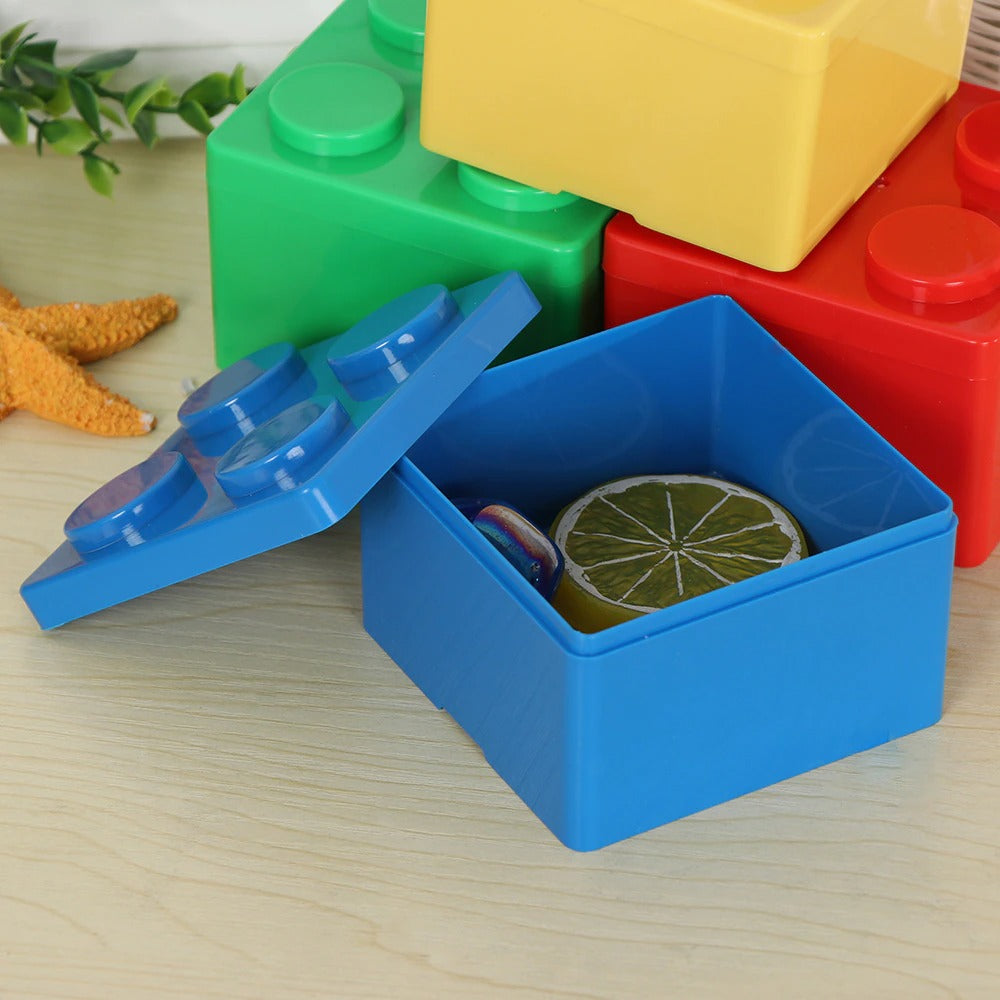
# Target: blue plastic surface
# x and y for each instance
(278, 446)
(608, 734)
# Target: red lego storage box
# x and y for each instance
(897, 309)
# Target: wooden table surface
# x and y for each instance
(226, 790)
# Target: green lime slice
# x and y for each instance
(640, 544)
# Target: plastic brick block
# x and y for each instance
(745, 127)
(897, 310)
(605, 735)
(323, 204)
(278, 446)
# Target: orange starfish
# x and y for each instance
(42, 348)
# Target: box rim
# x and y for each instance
(591, 645)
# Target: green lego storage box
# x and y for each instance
(323, 204)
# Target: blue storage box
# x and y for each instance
(608, 734)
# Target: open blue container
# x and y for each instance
(605, 735)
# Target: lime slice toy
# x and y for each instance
(640, 544)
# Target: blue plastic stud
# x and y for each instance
(279, 454)
(392, 341)
(124, 509)
(240, 397)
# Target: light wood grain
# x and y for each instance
(226, 790)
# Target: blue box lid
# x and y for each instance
(277, 447)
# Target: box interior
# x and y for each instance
(698, 389)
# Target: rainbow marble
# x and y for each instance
(525, 546)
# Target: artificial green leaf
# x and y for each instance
(237, 85)
(26, 98)
(9, 38)
(36, 60)
(194, 114)
(13, 122)
(112, 116)
(30, 81)
(42, 51)
(21, 42)
(106, 60)
(41, 76)
(100, 175)
(9, 75)
(86, 102)
(164, 98)
(68, 135)
(61, 100)
(210, 92)
(145, 128)
(139, 96)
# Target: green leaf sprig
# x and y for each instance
(35, 92)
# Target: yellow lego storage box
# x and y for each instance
(744, 126)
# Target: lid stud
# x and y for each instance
(283, 451)
(935, 253)
(337, 109)
(399, 22)
(124, 509)
(977, 145)
(512, 196)
(233, 399)
(385, 348)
